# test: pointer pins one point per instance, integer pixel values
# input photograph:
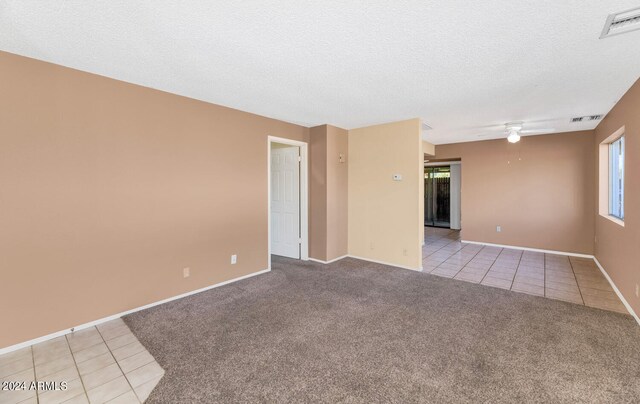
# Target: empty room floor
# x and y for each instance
(355, 331)
(561, 277)
(350, 331)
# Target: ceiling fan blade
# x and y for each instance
(484, 128)
(491, 134)
(537, 131)
(498, 126)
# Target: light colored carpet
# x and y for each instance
(360, 332)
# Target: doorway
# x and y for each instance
(288, 198)
(437, 191)
(442, 195)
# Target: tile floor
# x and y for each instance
(571, 279)
(103, 364)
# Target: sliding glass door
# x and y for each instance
(437, 185)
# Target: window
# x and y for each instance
(616, 178)
(611, 177)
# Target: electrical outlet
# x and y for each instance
(498, 229)
(234, 259)
(186, 272)
(637, 290)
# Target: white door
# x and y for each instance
(285, 201)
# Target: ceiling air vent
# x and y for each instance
(426, 127)
(586, 118)
(621, 23)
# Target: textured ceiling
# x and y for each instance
(458, 65)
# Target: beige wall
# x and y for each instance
(540, 191)
(428, 148)
(337, 192)
(108, 190)
(617, 247)
(384, 215)
(318, 193)
(328, 188)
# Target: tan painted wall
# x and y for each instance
(384, 215)
(337, 192)
(617, 247)
(540, 191)
(428, 148)
(318, 193)
(109, 189)
(329, 179)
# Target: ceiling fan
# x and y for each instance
(514, 130)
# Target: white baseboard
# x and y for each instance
(115, 316)
(328, 262)
(615, 288)
(419, 269)
(513, 247)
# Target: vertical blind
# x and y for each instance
(616, 178)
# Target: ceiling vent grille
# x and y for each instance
(426, 127)
(621, 23)
(586, 118)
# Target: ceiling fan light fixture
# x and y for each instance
(513, 137)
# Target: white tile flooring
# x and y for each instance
(103, 364)
(571, 279)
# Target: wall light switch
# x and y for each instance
(234, 259)
(498, 229)
(397, 177)
(341, 158)
(637, 290)
(186, 272)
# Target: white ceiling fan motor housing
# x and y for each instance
(513, 128)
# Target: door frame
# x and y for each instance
(304, 195)
(443, 164)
